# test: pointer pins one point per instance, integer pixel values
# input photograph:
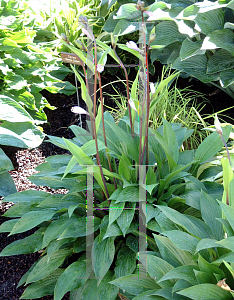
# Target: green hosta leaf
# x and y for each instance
(221, 60)
(167, 33)
(203, 277)
(56, 244)
(226, 78)
(66, 227)
(102, 256)
(113, 230)
(211, 210)
(155, 266)
(204, 151)
(115, 211)
(8, 225)
(228, 257)
(23, 37)
(12, 111)
(220, 39)
(227, 243)
(42, 287)
(195, 66)
(7, 185)
(171, 253)
(72, 278)
(210, 20)
(23, 135)
(125, 219)
(182, 240)
(149, 295)
(27, 196)
(134, 284)
(129, 194)
(229, 213)
(91, 290)
(30, 244)
(125, 263)
(128, 11)
(190, 48)
(44, 268)
(206, 291)
(170, 137)
(184, 272)
(204, 266)
(205, 244)
(189, 223)
(31, 220)
(15, 82)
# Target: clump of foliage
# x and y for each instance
(26, 68)
(133, 203)
(196, 37)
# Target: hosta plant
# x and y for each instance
(26, 68)
(196, 37)
(129, 188)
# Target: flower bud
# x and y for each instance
(140, 5)
(152, 37)
(218, 125)
(83, 21)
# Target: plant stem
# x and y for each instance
(103, 126)
(128, 94)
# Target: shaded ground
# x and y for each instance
(12, 268)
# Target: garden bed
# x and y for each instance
(12, 268)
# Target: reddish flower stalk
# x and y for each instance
(128, 94)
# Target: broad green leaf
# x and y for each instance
(227, 243)
(115, 210)
(189, 223)
(203, 277)
(128, 11)
(79, 154)
(209, 268)
(30, 244)
(91, 290)
(171, 253)
(183, 272)
(12, 111)
(23, 135)
(7, 225)
(102, 256)
(129, 194)
(27, 196)
(167, 33)
(210, 21)
(206, 291)
(190, 48)
(211, 210)
(7, 185)
(195, 66)
(42, 287)
(135, 284)
(66, 227)
(149, 295)
(220, 39)
(125, 219)
(44, 268)
(204, 152)
(55, 245)
(31, 220)
(74, 276)
(229, 213)
(125, 263)
(182, 240)
(155, 266)
(221, 60)
(170, 137)
(206, 244)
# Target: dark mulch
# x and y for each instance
(12, 268)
